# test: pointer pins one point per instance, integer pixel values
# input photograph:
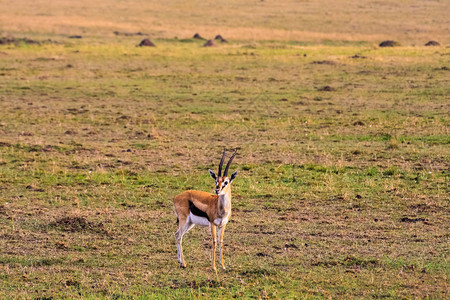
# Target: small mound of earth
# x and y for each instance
(432, 43)
(75, 37)
(146, 43)
(389, 43)
(198, 36)
(358, 123)
(70, 132)
(220, 38)
(209, 43)
(77, 224)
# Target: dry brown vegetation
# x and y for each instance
(411, 21)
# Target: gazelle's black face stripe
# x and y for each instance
(223, 184)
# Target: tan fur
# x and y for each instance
(202, 200)
(214, 206)
(207, 210)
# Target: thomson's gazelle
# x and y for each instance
(205, 209)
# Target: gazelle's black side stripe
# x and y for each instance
(195, 211)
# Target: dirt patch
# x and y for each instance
(176, 284)
(389, 43)
(71, 132)
(358, 56)
(3, 144)
(72, 283)
(324, 62)
(349, 261)
(128, 33)
(24, 41)
(432, 43)
(75, 37)
(413, 220)
(34, 189)
(291, 245)
(146, 43)
(17, 41)
(326, 88)
(76, 111)
(25, 133)
(209, 43)
(358, 123)
(78, 224)
(426, 208)
(198, 36)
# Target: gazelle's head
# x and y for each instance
(223, 183)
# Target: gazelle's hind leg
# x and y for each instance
(182, 229)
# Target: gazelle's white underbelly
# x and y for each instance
(198, 220)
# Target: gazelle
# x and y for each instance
(205, 209)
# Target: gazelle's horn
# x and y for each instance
(229, 163)
(221, 163)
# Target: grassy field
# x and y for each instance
(343, 155)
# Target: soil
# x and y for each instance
(432, 43)
(128, 33)
(220, 38)
(198, 36)
(78, 224)
(323, 62)
(412, 220)
(17, 41)
(326, 88)
(389, 43)
(358, 56)
(146, 43)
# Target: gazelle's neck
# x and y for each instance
(224, 202)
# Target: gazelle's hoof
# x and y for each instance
(182, 266)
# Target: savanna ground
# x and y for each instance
(343, 155)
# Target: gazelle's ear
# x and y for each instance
(233, 176)
(212, 174)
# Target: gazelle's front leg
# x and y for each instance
(221, 231)
(214, 240)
